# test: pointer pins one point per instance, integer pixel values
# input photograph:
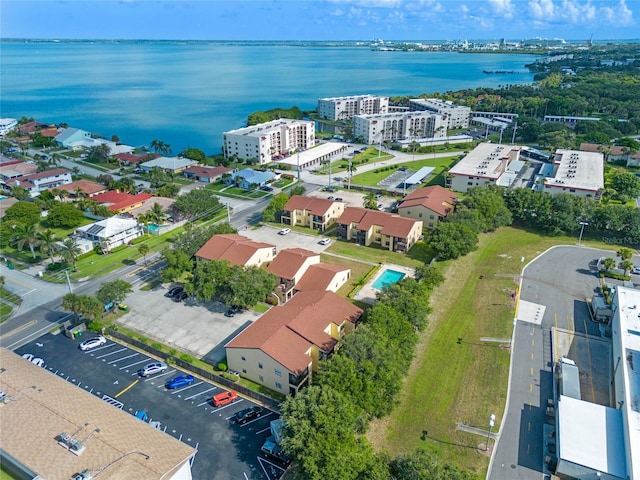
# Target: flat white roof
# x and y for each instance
(171, 163)
(306, 156)
(579, 170)
(487, 160)
(591, 435)
(266, 127)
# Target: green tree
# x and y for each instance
(297, 190)
(48, 243)
(490, 203)
(157, 214)
(273, 211)
(27, 213)
(25, 236)
(113, 292)
(178, 264)
(422, 465)
(451, 240)
(69, 252)
(208, 279)
(160, 147)
(194, 154)
(370, 201)
(144, 249)
(200, 203)
(626, 266)
(20, 193)
(609, 263)
(624, 253)
(65, 215)
(246, 287)
(429, 275)
(99, 152)
(83, 306)
(626, 184)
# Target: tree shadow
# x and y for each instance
(425, 436)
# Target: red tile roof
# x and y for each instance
(319, 276)
(317, 206)
(435, 198)
(287, 332)
(207, 172)
(119, 200)
(49, 132)
(392, 225)
(131, 158)
(87, 186)
(234, 248)
(288, 262)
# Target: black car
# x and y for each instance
(180, 296)
(174, 291)
(266, 188)
(232, 311)
(248, 414)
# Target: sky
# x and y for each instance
(321, 20)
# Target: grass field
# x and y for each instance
(379, 255)
(358, 270)
(441, 165)
(455, 378)
(5, 311)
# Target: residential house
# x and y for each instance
(289, 266)
(52, 429)
(68, 136)
(315, 213)
(250, 179)
(6, 125)
(120, 202)
(429, 204)
(83, 188)
(323, 276)
(37, 182)
(111, 232)
(31, 127)
(16, 168)
(237, 250)
(282, 348)
(205, 174)
(390, 231)
(614, 153)
(168, 164)
(134, 159)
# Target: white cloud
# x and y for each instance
(579, 12)
(541, 9)
(502, 8)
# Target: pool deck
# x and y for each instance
(367, 293)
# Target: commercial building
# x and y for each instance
(482, 166)
(576, 172)
(390, 231)
(430, 205)
(237, 250)
(53, 430)
(493, 121)
(266, 142)
(399, 126)
(569, 120)
(315, 213)
(282, 348)
(457, 116)
(344, 108)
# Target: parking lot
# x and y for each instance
(225, 450)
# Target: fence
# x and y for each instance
(225, 382)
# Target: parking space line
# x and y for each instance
(227, 406)
(205, 402)
(111, 353)
(132, 364)
(201, 393)
(186, 388)
(159, 376)
(123, 358)
(97, 349)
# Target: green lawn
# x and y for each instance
(372, 254)
(358, 271)
(235, 192)
(453, 381)
(5, 311)
(11, 297)
(441, 165)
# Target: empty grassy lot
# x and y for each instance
(416, 256)
(455, 378)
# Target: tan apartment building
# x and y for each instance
(282, 348)
(323, 276)
(54, 430)
(315, 213)
(289, 266)
(237, 250)
(390, 231)
(429, 204)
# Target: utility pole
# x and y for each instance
(583, 224)
(513, 138)
(66, 272)
(228, 213)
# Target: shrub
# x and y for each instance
(55, 266)
(617, 276)
(94, 327)
(156, 345)
(230, 376)
(187, 358)
(222, 366)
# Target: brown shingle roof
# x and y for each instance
(289, 261)
(46, 174)
(317, 206)
(207, 172)
(87, 186)
(435, 198)
(43, 406)
(392, 225)
(286, 332)
(234, 248)
(319, 276)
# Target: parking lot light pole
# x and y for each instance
(228, 213)
(583, 224)
(492, 422)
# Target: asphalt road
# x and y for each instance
(225, 450)
(559, 279)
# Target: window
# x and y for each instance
(261, 378)
(243, 358)
(244, 370)
(420, 215)
(469, 183)
(431, 217)
(260, 365)
(278, 372)
(279, 385)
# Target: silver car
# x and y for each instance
(152, 369)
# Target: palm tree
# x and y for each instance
(144, 219)
(78, 192)
(47, 241)
(144, 249)
(157, 214)
(25, 235)
(69, 252)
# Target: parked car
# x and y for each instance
(224, 398)
(248, 414)
(331, 197)
(636, 270)
(266, 188)
(325, 241)
(232, 311)
(173, 291)
(180, 381)
(180, 296)
(284, 231)
(38, 361)
(28, 356)
(152, 369)
(92, 343)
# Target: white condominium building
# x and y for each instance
(576, 172)
(343, 108)
(269, 141)
(457, 116)
(399, 126)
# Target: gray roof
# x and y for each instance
(169, 163)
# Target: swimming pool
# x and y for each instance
(388, 277)
(2, 197)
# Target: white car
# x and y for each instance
(325, 241)
(636, 270)
(28, 357)
(284, 231)
(152, 369)
(38, 361)
(92, 343)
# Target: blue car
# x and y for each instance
(180, 381)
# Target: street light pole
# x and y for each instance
(228, 213)
(492, 422)
(583, 224)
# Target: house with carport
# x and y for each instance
(315, 213)
(429, 204)
(237, 250)
(368, 227)
(283, 348)
(35, 183)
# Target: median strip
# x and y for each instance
(129, 387)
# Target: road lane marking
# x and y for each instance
(19, 329)
(97, 349)
(124, 390)
(160, 376)
(532, 371)
(529, 426)
(528, 449)
(38, 333)
(533, 342)
(111, 353)
(532, 356)
(123, 358)
(186, 388)
(530, 387)
(201, 393)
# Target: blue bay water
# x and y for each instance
(188, 94)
